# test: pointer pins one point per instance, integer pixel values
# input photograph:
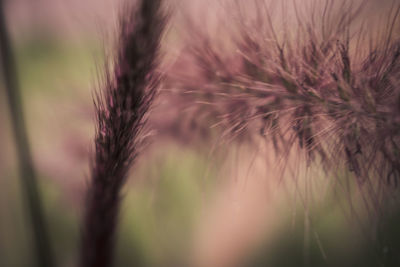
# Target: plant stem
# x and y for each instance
(27, 173)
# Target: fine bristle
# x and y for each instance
(129, 88)
(321, 81)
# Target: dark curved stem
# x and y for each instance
(27, 172)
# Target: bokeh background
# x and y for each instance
(190, 201)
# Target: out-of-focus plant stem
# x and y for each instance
(27, 173)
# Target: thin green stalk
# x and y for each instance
(26, 169)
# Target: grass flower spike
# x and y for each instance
(121, 107)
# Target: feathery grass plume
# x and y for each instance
(317, 75)
(121, 109)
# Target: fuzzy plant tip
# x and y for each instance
(310, 76)
(121, 105)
